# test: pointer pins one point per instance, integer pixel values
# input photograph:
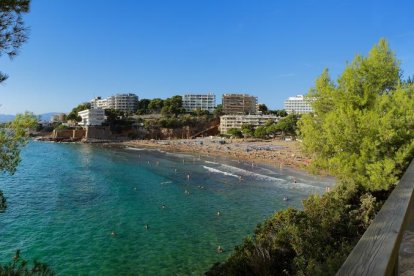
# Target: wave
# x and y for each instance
(166, 182)
(137, 149)
(213, 170)
(211, 162)
(286, 184)
(144, 149)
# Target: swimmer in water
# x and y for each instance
(218, 213)
(220, 249)
(146, 226)
(188, 176)
(163, 206)
(285, 198)
(113, 234)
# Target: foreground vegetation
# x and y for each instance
(14, 135)
(361, 131)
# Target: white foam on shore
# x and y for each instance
(143, 149)
(137, 149)
(210, 162)
(263, 177)
(213, 170)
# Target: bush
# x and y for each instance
(235, 132)
(314, 241)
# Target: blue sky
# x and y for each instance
(273, 49)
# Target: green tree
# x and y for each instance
(156, 105)
(260, 132)
(20, 266)
(73, 115)
(218, 111)
(235, 132)
(362, 125)
(113, 115)
(312, 241)
(199, 112)
(263, 108)
(173, 106)
(12, 137)
(278, 112)
(143, 106)
(247, 129)
(13, 32)
(288, 125)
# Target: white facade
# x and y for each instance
(92, 117)
(122, 102)
(202, 101)
(236, 121)
(298, 105)
(98, 102)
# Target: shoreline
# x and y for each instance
(277, 154)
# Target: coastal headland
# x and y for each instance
(276, 153)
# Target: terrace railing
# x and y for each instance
(377, 252)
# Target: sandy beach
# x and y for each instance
(272, 152)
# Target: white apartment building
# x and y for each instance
(298, 104)
(202, 101)
(122, 102)
(236, 121)
(92, 117)
(98, 102)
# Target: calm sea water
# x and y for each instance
(65, 200)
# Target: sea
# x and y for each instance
(97, 210)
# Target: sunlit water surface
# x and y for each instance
(65, 201)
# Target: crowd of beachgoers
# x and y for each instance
(272, 152)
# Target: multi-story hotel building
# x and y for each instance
(122, 102)
(206, 102)
(98, 102)
(236, 121)
(298, 105)
(92, 117)
(239, 104)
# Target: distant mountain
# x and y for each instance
(47, 116)
(4, 118)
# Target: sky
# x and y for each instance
(272, 49)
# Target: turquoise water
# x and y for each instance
(65, 201)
